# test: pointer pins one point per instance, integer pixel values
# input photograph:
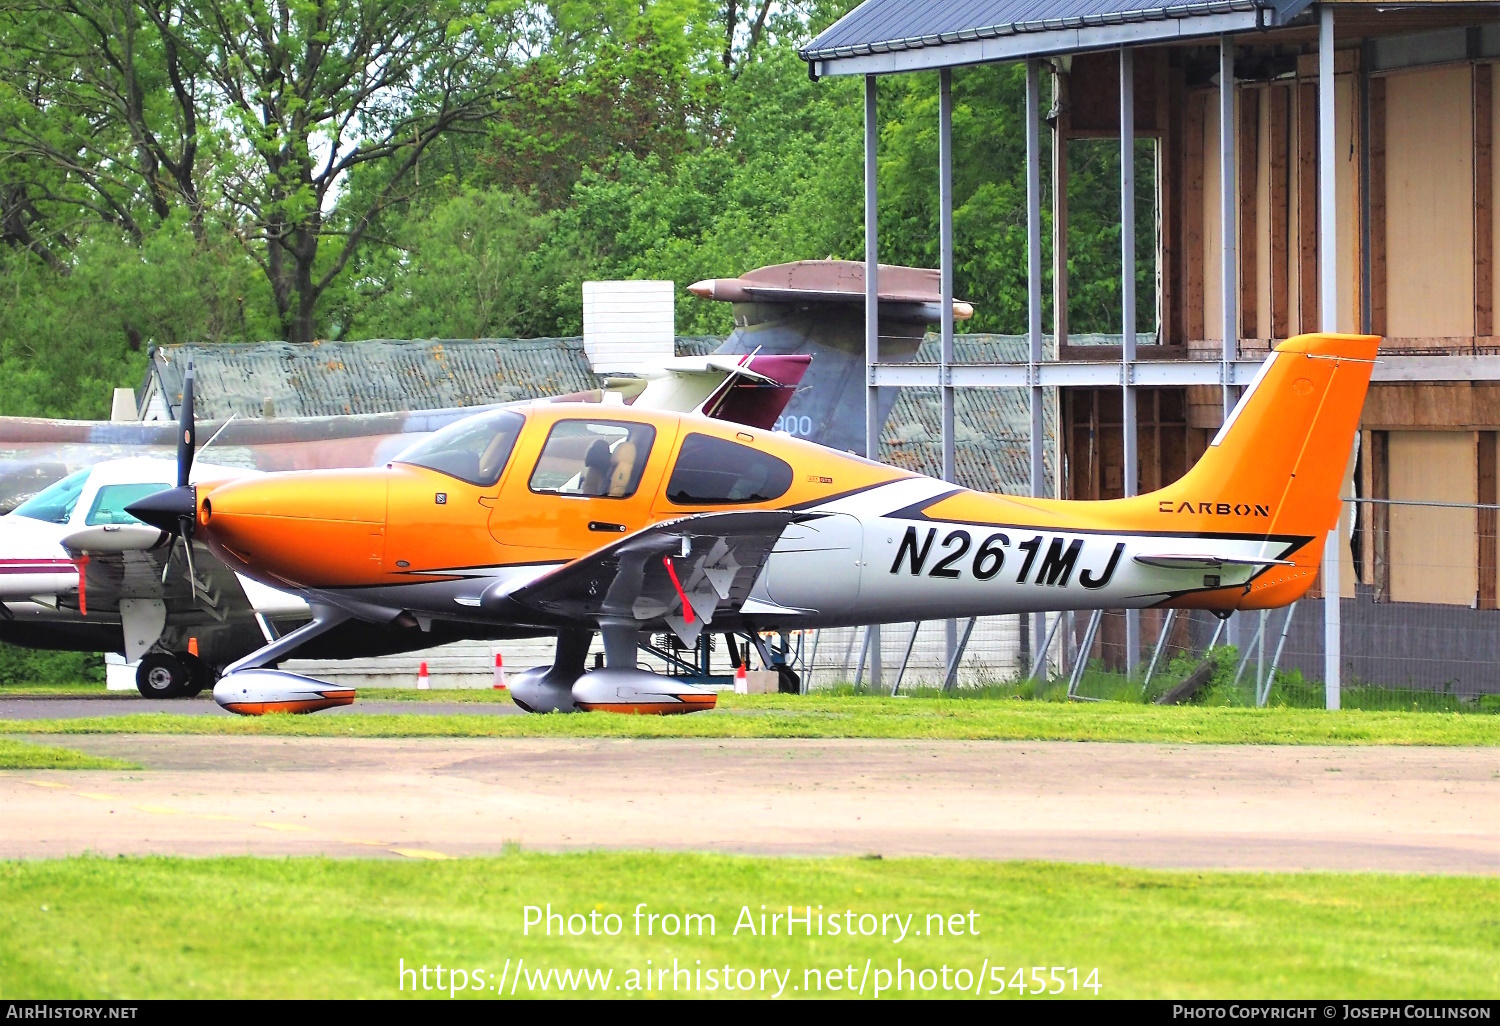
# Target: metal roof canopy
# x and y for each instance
(881, 37)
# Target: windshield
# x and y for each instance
(54, 504)
(474, 450)
(109, 505)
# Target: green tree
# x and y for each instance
(254, 111)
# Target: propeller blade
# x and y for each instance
(187, 431)
(166, 567)
(187, 552)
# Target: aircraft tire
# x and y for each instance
(162, 675)
(788, 681)
(200, 675)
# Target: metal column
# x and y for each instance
(1130, 471)
(1034, 314)
(872, 322)
(945, 273)
(1328, 307)
(1229, 278)
(1229, 284)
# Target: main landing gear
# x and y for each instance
(172, 675)
(619, 686)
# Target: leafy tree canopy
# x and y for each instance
(239, 170)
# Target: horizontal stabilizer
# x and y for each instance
(1177, 562)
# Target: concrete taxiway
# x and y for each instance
(1239, 807)
(73, 707)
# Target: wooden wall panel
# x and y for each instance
(1213, 235)
(1432, 549)
(1278, 141)
(1485, 520)
(1307, 206)
(1346, 214)
(1248, 156)
(1170, 203)
(1429, 237)
(1194, 134)
(1377, 208)
(1377, 459)
(1484, 201)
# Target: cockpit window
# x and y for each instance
(109, 505)
(54, 504)
(713, 470)
(474, 449)
(600, 458)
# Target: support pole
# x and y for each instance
(951, 680)
(1286, 628)
(1229, 278)
(1328, 308)
(1034, 319)
(1229, 270)
(945, 274)
(1038, 671)
(1130, 471)
(872, 327)
(1249, 650)
(910, 644)
(1081, 663)
(864, 651)
(1161, 644)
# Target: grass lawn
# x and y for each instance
(242, 927)
(20, 755)
(785, 716)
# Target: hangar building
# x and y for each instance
(1323, 166)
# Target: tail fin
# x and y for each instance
(1278, 462)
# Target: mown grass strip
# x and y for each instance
(777, 716)
(20, 755)
(243, 927)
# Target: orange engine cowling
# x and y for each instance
(255, 692)
(639, 691)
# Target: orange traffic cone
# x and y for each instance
(499, 673)
(423, 684)
(192, 646)
(741, 682)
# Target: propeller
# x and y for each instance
(174, 511)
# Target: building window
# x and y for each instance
(598, 458)
(711, 471)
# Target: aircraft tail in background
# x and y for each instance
(817, 308)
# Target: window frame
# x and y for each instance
(687, 438)
(99, 494)
(495, 415)
(628, 425)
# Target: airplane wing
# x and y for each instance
(683, 573)
(213, 598)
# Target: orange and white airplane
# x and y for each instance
(579, 518)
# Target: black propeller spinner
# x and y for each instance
(175, 510)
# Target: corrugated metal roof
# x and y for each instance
(321, 379)
(884, 26)
(324, 379)
(992, 426)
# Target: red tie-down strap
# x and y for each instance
(687, 607)
(82, 563)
